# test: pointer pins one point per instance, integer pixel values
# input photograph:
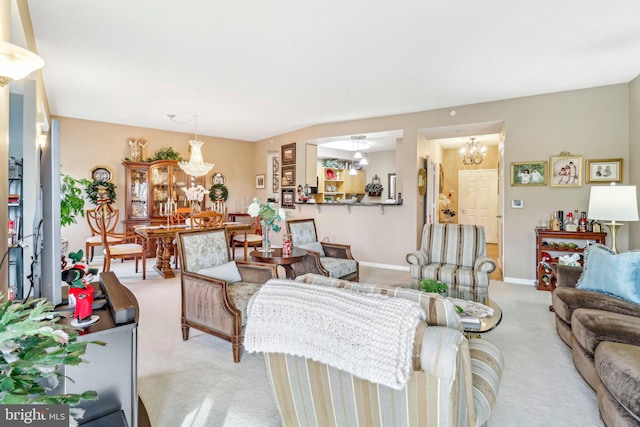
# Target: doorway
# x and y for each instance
(478, 200)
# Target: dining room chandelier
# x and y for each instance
(196, 166)
(472, 153)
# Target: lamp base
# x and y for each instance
(613, 226)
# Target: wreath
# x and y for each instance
(92, 191)
(219, 192)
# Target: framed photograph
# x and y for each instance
(288, 176)
(288, 156)
(101, 173)
(565, 170)
(529, 173)
(604, 170)
(260, 181)
(288, 198)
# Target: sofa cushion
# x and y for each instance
(452, 274)
(590, 327)
(566, 300)
(227, 272)
(606, 272)
(618, 366)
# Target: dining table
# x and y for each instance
(165, 235)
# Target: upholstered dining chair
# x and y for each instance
(111, 220)
(215, 289)
(251, 238)
(328, 259)
(129, 248)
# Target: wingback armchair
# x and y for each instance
(216, 290)
(454, 254)
(325, 258)
(453, 381)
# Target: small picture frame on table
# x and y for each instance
(288, 198)
(529, 174)
(604, 170)
(565, 170)
(260, 181)
(288, 155)
(288, 178)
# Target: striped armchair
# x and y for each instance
(454, 381)
(454, 254)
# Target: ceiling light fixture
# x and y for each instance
(16, 63)
(196, 165)
(358, 144)
(472, 153)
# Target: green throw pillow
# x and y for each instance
(606, 272)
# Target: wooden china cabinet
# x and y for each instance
(149, 188)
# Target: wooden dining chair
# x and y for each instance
(111, 220)
(251, 238)
(208, 219)
(129, 248)
(179, 216)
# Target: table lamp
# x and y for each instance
(613, 203)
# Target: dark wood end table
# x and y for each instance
(276, 257)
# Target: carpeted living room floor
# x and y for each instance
(195, 382)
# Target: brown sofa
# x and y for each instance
(604, 335)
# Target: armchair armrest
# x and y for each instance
(256, 272)
(337, 250)
(485, 264)
(309, 264)
(419, 257)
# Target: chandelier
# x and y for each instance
(16, 63)
(472, 153)
(196, 165)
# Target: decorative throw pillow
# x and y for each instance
(313, 246)
(606, 272)
(227, 272)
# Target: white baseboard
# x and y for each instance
(519, 281)
(387, 266)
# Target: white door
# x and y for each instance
(478, 200)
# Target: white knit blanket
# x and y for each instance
(369, 336)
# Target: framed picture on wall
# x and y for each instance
(260, 181)
(604, 170)
(565, 170)
(288, 198)
(288, 156)
(288, 176)
(529, 173)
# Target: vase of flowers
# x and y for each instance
(195, 195)
(269, 217)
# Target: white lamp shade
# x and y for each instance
(16, 62)
(613, 203)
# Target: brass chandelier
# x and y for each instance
(472, 153)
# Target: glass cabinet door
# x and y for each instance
(139, 182)
(180, 182)
(161, 191)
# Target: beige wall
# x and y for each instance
(634, 152)
(86, 144)
(592, 122)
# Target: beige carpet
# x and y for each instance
(196, 383)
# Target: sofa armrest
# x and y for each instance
(337, 250)
(439, 349)
(419, 257)
(256, 272)
(484, 264)
(567, 275)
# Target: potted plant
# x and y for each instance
(374, 189)
(71, 200)
(432, 285)
(33, 346)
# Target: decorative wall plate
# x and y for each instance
(101, 173)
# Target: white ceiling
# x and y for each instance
(253, 69)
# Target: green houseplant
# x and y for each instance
(33, 346)
(373, 188)
(71, 199)
(432, 285)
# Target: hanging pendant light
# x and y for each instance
(357, 145)
(196, 166)
(472, 153)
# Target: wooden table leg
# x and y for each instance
(163, 257)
